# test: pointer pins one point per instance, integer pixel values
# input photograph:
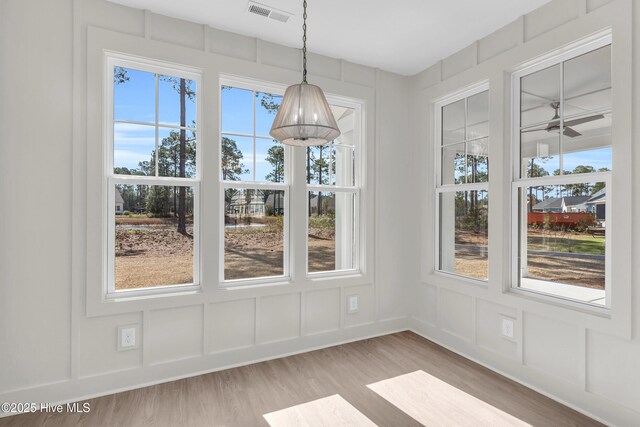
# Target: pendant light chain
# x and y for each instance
(304, 118)
(304, 42)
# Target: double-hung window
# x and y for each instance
(562, 170)
(257, 181)
(462, 180)
(152, 177)
(333, 197)
(254, 186)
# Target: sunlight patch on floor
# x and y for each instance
(433, 402)
(326, 412)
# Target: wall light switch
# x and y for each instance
(352, 304)
(507, 327)
(127, 337)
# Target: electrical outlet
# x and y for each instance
(507, 327)
(352, 304)
(127, 337)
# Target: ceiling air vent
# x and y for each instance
(279, 16)
(268, 12)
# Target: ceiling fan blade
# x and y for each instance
(583, 120)
(570, 132)
(553, 124)
(532, 130)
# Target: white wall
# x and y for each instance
(50, 350)
(35, 175)
(55, 348)
(589, 362)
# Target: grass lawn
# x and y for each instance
(573, 242)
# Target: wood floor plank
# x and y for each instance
(433, 402)
(241, 396)
(331, 411)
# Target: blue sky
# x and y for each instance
(598, 158)
(134, 100)
(237, 117)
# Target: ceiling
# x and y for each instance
(401, 36)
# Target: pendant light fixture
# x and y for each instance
(304, 118)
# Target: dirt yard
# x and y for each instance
(253, 251)
(472, 263)
(150, 252)
(322, 250)
(580, 272)
(470, 237)
(575, 271)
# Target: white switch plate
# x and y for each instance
(128, 337)
(352, 304)
(508, 327)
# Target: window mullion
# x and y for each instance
(299, 214)
(331, 159)
(331, 188)
(241, 185)
(562, 179)
(466, 140)
(253, 101)
(157, 129)
(247, 135)
(151, 124)
(466, 114)
(561, 130)
(452, 188)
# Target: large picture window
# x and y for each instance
(462, 192)
(562, 172)
(152, 177)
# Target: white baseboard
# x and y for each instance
(75, 390)
(624, 416)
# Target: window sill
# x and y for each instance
(155, 292)
(464, 279)
(255, 283)
(143, 299)
(590, 296)
(336, 274)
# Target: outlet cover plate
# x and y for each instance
(508, 328)
(128, 337)
(352, 304)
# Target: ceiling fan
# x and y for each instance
(554, 124)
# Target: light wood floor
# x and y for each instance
(241, 396)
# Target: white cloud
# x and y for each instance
(129, 159)
(127, 134)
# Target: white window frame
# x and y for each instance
(110, 179)
(355, 189)
(273, 89)
(290, 187)
(440, 188)
(518, 183)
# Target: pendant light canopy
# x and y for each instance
(304, 118)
